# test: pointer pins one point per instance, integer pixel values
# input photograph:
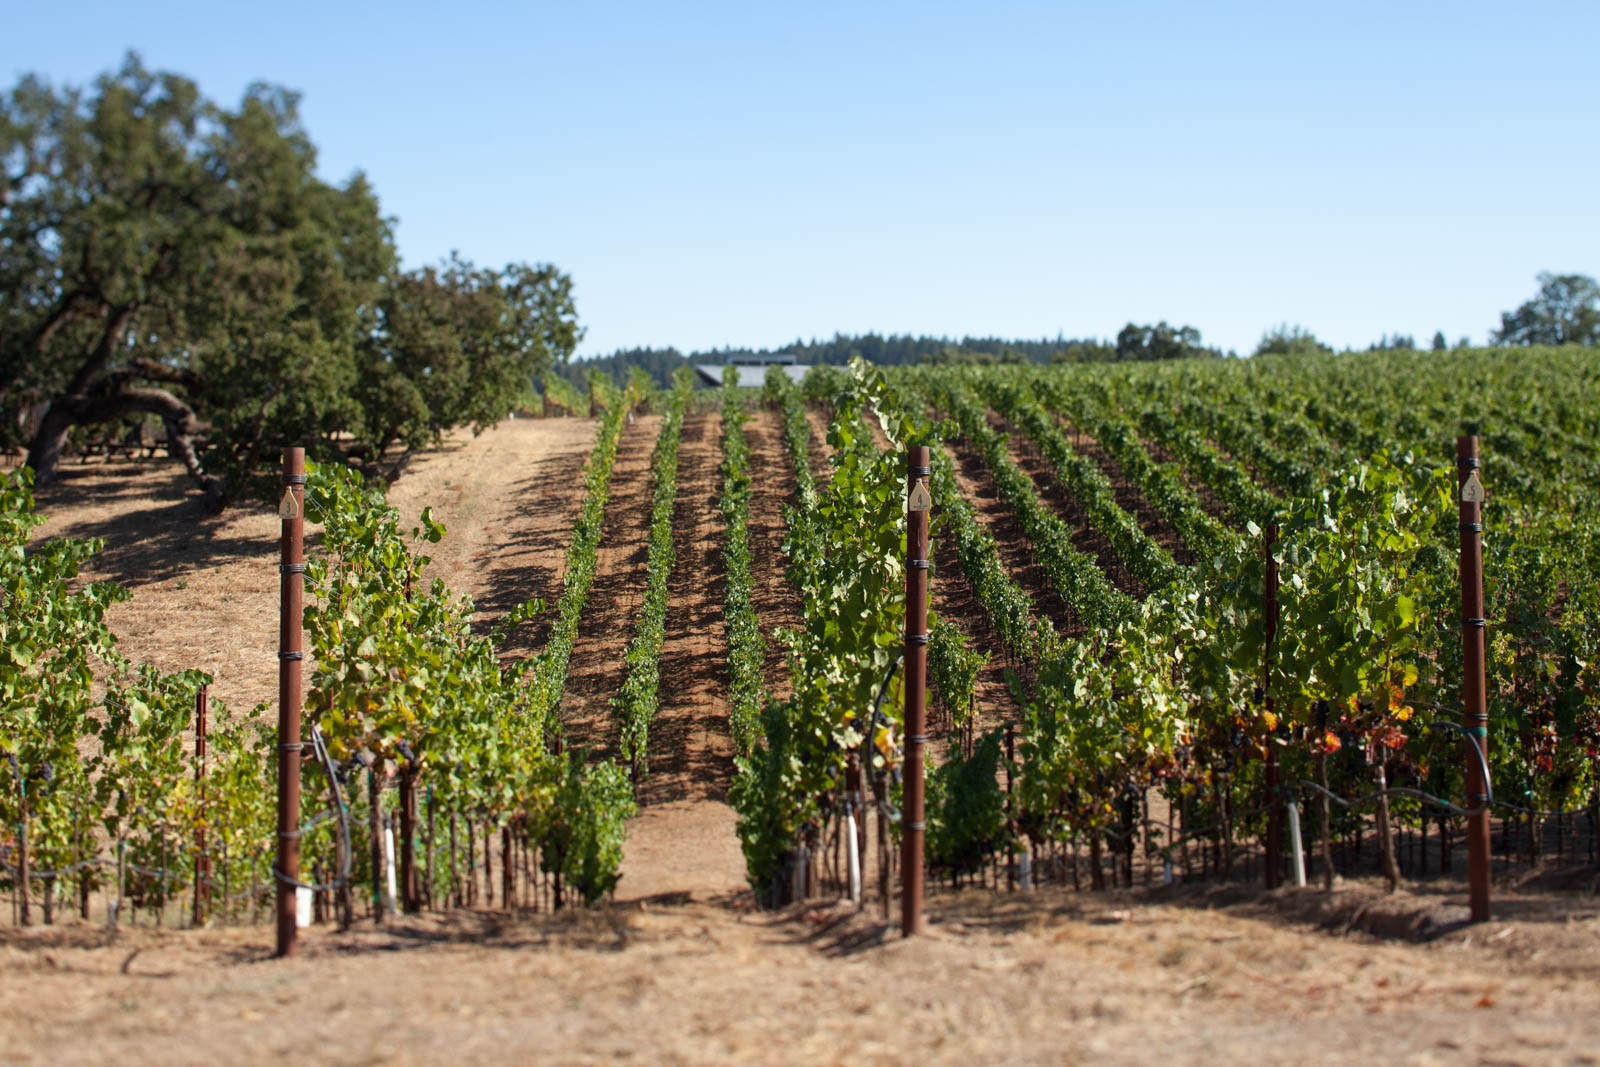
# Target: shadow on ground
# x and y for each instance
(155, 531)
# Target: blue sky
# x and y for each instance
(751, 173)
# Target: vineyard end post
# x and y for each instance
(916, 678)
(202, 860)
(1474, 698)
(1274, 843)
(291, 584)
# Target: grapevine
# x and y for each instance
(635, 706)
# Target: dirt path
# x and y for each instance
(951, 597)
(507, 500)
(820, 449)
(954, 601)
(1085, 536)
(596, 669)
(683, 844)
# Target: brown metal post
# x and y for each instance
(1274, 859)
(291, 586)
(916, 687)
(1474, 698)
(202, 859)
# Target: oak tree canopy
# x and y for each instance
(166, 258)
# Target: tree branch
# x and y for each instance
(121, 315)
(181, 422)
(63, 313)
(133, 400)
(155, 371)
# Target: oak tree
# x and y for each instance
(1566, 311)
(166, 258)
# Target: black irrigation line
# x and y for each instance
(1366, 798)
(340, 811)
(58, 872)
(1438, 802)
(1406, 791)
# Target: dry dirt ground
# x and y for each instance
(681, 969)
(1054, 977)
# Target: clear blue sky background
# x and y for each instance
(748, 174)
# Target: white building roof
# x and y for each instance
(751, 376)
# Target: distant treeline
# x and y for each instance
(1566, 310)
(1134, 343)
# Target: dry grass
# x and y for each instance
(1055, 977)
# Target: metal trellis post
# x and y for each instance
(291, 583)
(1474, 702)
(918, 503)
